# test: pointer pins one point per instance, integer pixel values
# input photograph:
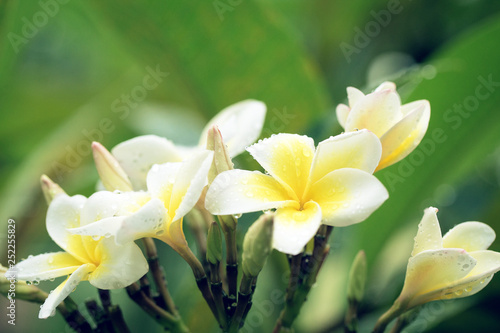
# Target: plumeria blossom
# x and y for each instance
(453, 266)
(332, 184)
(98, 260)
(399, 127)
(173, 190)
(240, 125)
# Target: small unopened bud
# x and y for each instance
(357, 278)
(112, 175)
(257, 245)
(221, 162)
(50, 189)
(214, 244)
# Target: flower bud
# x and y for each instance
(357, 278)
(112, 175)
(221, 162)
(257, 245)
(49, 188)
(214, 244)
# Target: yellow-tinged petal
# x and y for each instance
(112, 175)
(149, 221)
(64, 289)
(432, 270)
(136, 156)
(470, 236)
(399, 141)
(241, 191)
(294, 226)
(378, 112)
(45, 266)
(429, 233)
(240, 125)
(488, 263)
(354, 95)
(189, 183)
(119, 265)
(342, 112)
(104, 204)
(64, 213)
(347, 196)
(359, 150)
(288, 158)
(179, 185)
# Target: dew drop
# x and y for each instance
(459, 292)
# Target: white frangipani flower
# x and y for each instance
(98, 260)
(332, 184)
(453, 266)
(173, 190)
(240, 125)
(399, 127)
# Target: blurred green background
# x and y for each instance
(76, 71)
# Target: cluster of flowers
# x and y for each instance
(150, 184)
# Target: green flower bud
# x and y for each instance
(257, 245)
(50, 189)
(221, 162)
(357, 278)
(214, 244)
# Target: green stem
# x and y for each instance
(299, 295)
(218, 294)
(165, 319)
(244, 296)
(396, 310)
(159, 276)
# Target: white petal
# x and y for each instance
(241, 191)
(240, 125)
(432, 270)
(64, 213)
(294, 228)
(64, 289)
(386, 86)
(190, 181)
(470, 236)
(429, 233)
(148, 220)
(119, 266)
(342, 112)
(377, 112)
(104, 204)
(488, 263)
(288, 158)
(404, 137)
(354, 96)
(347, 196)
(45, 267)
(137, 155)
(358, 150)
